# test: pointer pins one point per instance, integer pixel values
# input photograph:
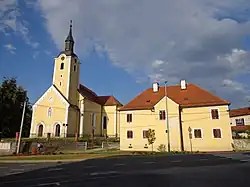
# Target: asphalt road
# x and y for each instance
(176, 170)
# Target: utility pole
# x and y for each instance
(21, 128)
(167, 121)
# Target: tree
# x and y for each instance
(12, 98)
(151, 137)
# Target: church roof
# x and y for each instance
(92, 96)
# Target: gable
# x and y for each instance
(52, 95)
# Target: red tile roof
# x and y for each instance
(192, 96)
(108, 100)
(239, 112)
(92, 96)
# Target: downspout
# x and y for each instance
(181, 130)
(116, 121)
(101, 134)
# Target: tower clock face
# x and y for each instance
(62, 58)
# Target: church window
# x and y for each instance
(74, 67)
(49, 111)
(61, 75)
(75, 60)
(62, 58)
(62, 66)
(60, 83)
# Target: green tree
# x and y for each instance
(12, 98)
(151, 137)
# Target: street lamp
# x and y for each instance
(167, 121)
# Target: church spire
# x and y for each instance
(69, 42)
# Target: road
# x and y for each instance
(171, 170)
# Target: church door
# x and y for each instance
(57, 133)
(40, 131)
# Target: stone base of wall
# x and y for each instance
(241, 144)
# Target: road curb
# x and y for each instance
(41, 161)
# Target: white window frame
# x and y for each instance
(210, 113)
(132, 134)
(127, 116)
(142, 133)
(220, 133)
(201, 133)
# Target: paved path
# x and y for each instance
(176, 170)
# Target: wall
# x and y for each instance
(112, 121)
(201, 118)
(73, 122)
(145, 119)
(246, 120)
(241, 144)
(40, 113)
(90, 108)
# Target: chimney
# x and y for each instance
(183, 85)
(155, 87)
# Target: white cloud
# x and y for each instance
(11, 21)
(10, 48)
(187, 35)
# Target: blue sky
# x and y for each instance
(33, 67)
(124, 46)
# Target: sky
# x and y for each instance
(125, 45)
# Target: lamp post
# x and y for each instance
(167, 121)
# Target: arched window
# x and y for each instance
(57, 130)
(74, 68)
(62, 66)
(49, 111)
(40, 131)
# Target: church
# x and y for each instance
(70, 109)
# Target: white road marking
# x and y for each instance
(55, 169)
(13, 173)
(3, 167)
(26, 165)
(49, 184)
(201, 159)
(119, 164)
(103, 173)
(148, 162)
(175, 160)
(90, 167)
(17, 169)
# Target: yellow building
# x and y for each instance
(68, 108)
(194, 118)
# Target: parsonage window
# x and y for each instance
(217, 133)
(129, 118)
(145, 133)
(215, 114)
(129, 134)
(197, 133)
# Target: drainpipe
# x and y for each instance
(181, 130)
(116, 121)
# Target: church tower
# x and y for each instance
(67, 70)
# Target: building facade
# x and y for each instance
(191, 118)
(240, 119)
(69, 108)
